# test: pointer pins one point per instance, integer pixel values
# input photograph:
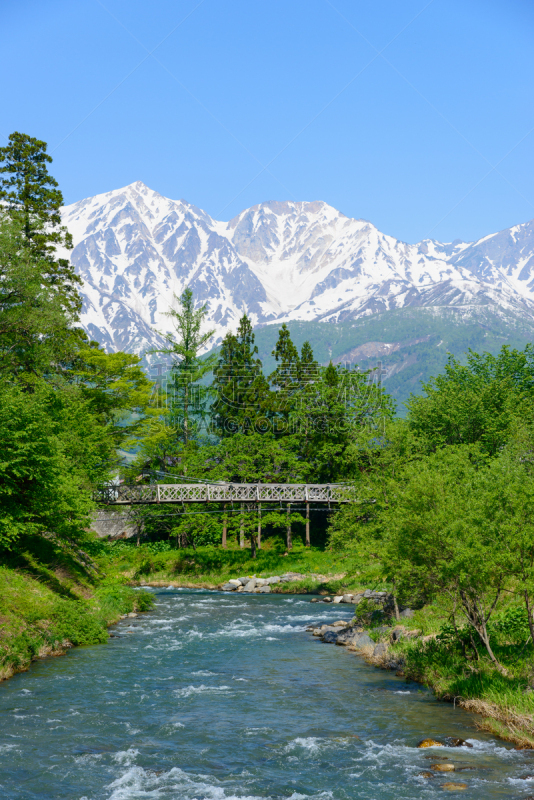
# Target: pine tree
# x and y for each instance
(32, 198)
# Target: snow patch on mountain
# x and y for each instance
(278, 261)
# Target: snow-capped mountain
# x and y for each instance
(278, 261)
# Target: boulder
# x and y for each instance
(274, 579)
(380, 650)
(251, 585)
(407, 613)
(314, 600)
(364, 640)
(397, 634)
(264, 589)
(228, 587)
(327, 599)
(442, 767)
(261, 582)
(453, 741)
(347, 598)
(338, 599)
(457, 787)
(340, 623)
(430, 743)
(352, 637)
(132, 614)
(330, 637)
(235, 582)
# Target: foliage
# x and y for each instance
(32, 198)
(37, 336)
(188, 397)
(51, 452)
(241, 391)
(476, 402)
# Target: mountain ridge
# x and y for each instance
(278, 261)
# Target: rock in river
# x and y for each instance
(330, 637)
(452, 741)
(430, 743)
(455, 787)
(442, 767)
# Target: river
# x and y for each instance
(215, 696)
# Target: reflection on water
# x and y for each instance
(218, 697)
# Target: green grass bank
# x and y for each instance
(53, 598)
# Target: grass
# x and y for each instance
(212, 566)
(43, 613)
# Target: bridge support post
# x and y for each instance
(289, 542)
(225, 524)
(242, 527)
(308, 543)
(259, 526)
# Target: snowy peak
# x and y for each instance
(135, 249)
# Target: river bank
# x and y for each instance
(505, 705)
(220, 696)
(39, 620)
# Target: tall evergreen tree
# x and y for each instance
(188, 397)
(31, 196)
(285, 378)
(240, 387)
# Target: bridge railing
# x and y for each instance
(129, 494)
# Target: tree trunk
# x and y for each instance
(225, 524)
(308, 543)
(242, 527)
(252, 544)
(395, 604)
(259, 526)
(479, 620)
(530, 614)
(289, 543)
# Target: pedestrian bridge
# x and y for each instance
(129, 494)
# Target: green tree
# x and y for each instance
(241, 392)
(188, 396)
(37, 333)
(285, 379)
(445, 536)
(53, 454)
(476, 402)
(32, 197)
(331, 409)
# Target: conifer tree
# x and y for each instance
(32, 198)
(285, 378)
(188, 397)
(241, 391)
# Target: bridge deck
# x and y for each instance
(126, 494)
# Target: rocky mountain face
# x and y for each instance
(278, 261)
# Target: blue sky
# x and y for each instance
(416, 115)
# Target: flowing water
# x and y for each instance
(216, 696)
